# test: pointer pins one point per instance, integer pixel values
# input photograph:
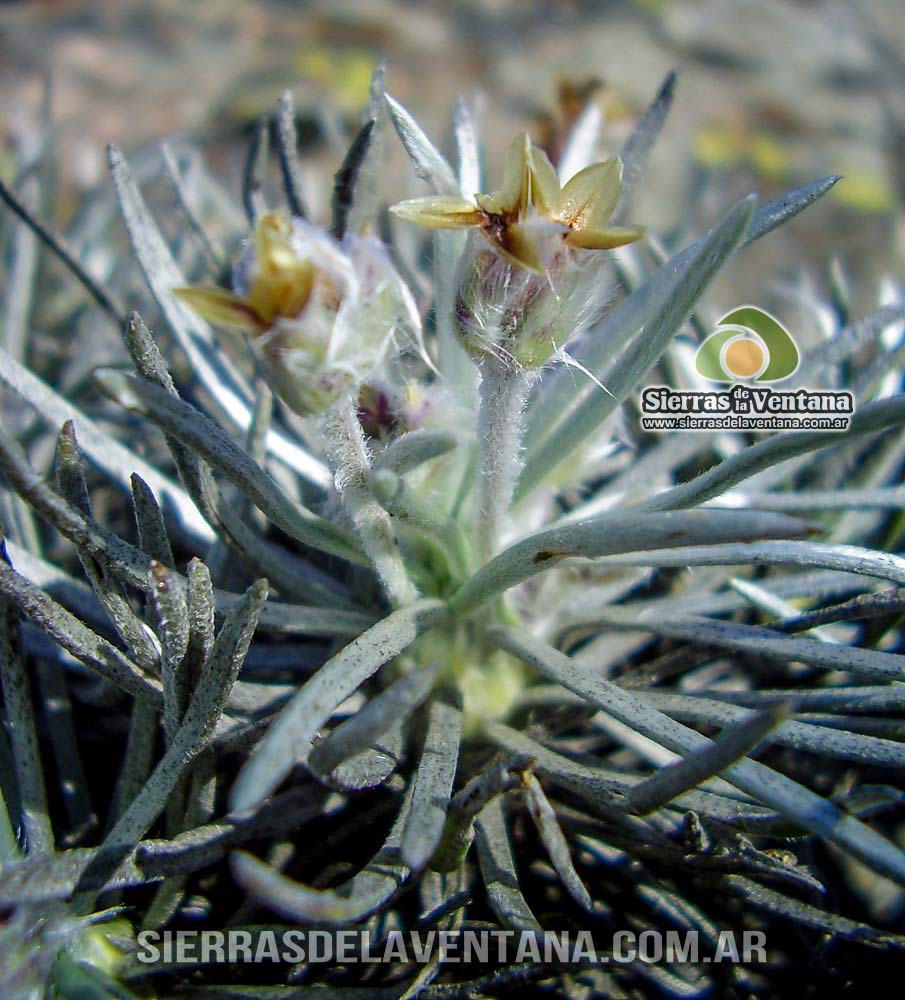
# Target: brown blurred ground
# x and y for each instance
(772, 93)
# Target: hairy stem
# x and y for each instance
(504, 389)
(348, 455)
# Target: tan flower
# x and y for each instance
(320, 315)
(513, 218)
(280, 286)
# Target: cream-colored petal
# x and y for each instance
(282, 292)
(490, 204)
(544, 195)
(591, 196)
(298, 292)
(439, 212)
(222, 308)
(519, 247)
(272, 246)
(604, 239)
(513, 195)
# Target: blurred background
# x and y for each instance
(771, 94)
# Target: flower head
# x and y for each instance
(321, 315)
(533, 288)
(278, 283)
(531, 207)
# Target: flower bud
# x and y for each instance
(512, 313)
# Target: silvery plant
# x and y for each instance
(341, 588)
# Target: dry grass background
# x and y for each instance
(773, 93)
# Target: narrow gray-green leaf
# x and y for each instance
(413, 449)
(371, 767)
(345, 182)
(843, 345)
(554, 841)
(200, 720)
(779, 210)
(75, 637)
(430, 165)
(138, 757)
(213, 255)
(804, 914)
(200, 609)
(811, 501)
(21, 726)
(737, 740)
(499, 872)
(173, 628)
(770, 787)
(201, 434)
(753, 639)
(290, 738)
(287, 150)
(58, 246)
(643, 136)
(152, 533)
(433, 783)
(616, 532)
(845, 558)
(111, 457)
(360, 730)
(297, 619)
(607, 788)
(813, 738)
(135, 634)
(458, 828)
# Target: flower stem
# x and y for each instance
(503, 391)
(347, 452)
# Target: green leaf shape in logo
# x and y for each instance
(781, 350)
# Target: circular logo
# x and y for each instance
(748, 345)
(744, 357)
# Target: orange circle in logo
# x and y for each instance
(743, 358)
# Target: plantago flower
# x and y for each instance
(529, 291)
(320, 315)
(531, 194)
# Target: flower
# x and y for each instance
(321, 315)
(281, 283)
(521, 298)
(531, 206)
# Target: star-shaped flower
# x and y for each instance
(280, 285)
(531, 205)
(321, 315)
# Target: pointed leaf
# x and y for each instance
(615, 532)
(289, 740)
(433, 783)
(770, 787)
(644, 135)
(429, 164)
